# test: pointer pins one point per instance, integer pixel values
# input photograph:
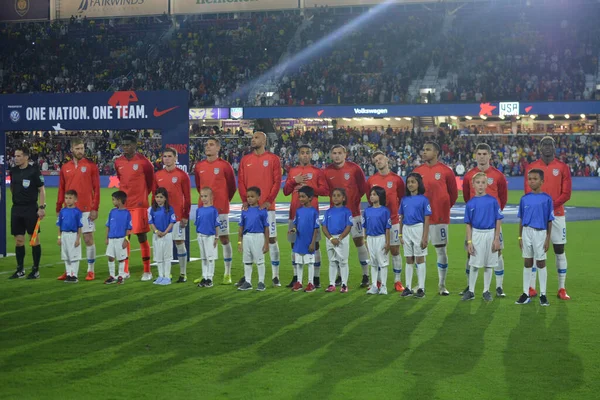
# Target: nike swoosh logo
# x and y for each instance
(163, 112)
(201, 172)
(332, 177)
(68, 170)
(160, 180)
(248, 165)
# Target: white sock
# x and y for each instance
(211, 269)
(122, 268)
(474, 272)
(91, 257)
(561, 268)
(161, 269)
(374, 275)
(363, 257)
(499, 271)
(442, 263)
(311, 273)
(533, 277)
(332, 272)
(111, 268)
(167, 268)
(397, 266)
(227, 257)
(487, 278)
(182, 257)
(467, 271)
(261, 272)
(344, 272)
(408, 275)
(248, 273)
(543, 274)
(75, 268)
(421, 275)
(300, 274)
(383, 273)
(205, 269)
(274, 252)
(68, 270)
(526, 280)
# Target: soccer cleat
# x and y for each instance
(310, 288)
(500, 292)
(158, 281)
(208, 283)
(110, 280)
(465, 290)
(373, 290)
(338, 281)
(245, 286)
(240, 282)
(261, 287)
(75, 280)
(524, 299)
(226, 279)
(532, 292)
(420, 293)
(120, 280)
(183, 279)
(365, 281)
(276, 282)
(468, 295)
(291, 284)
(297, 287)
(344, 289)
(487, 296)
(317, 282)
(398, 287)
(90, 276)
(165, 282)
(544, 301)
(147, 276)
(127, 275)
(71, 279)
(34, 274)
(330, 288)
(198, 280)
(383, 290)
(406, 292)
(443, 291)
(562, 294)
(202, 282)
(63, 277)
(19, 273)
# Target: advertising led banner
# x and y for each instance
(209, 113)
(24, 10)
(111, 8)
(229, 6)
(348, 3)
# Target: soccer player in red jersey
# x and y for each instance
(305, 174)
(82, 175)
(349, 176)
(558, 185)
(136, 177)
(263, 170)
(178, 187)
(497, 187)
(442, 192)
(218, 175)
(394, 190)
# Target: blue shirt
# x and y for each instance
(414, 209)
(207, 220)
(119, 222)
(536, 210)
(306, 221)
(161, 218)
(376, 220)
(337, 219)
(254, 220)
(69, 219)
(482, 212)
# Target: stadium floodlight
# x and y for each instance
(408, 118)
(398, 119)
(356, 119)
(453, 117)
(567, 116)
(551, 116)
(387, 119)
(468, 117)
(483, 117)
(582, 116)
(502, 117)
(532, 116)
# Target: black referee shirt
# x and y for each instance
(24, 184)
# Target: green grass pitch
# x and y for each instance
(138, 340)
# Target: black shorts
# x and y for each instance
(23, 219)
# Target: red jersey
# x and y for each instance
(262, 171)
(394, 190)
(440, 190)
(350, 177)
(178, 186)
(136, 177)
(84, 178)
(314, 178)
(557, 182)
(219, 176)
(497, 185)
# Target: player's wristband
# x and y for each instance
(469, 241)
(59, 237)
(520, 238)
(126, 238)
(239, 242)
(400, 235)
(156, 231)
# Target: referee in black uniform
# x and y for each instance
(26, 184)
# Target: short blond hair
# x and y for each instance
(479, 175)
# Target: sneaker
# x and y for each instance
(261, 287)
(562, 294)
(110, 281)
(91, 275)
(71, 279)
(34, 274)
(468, 295)
(127, 276)
(383, 290)
(524, 299)
(532, 292)
(344, 289)
(544, 301)
(310, 288)
(245, 286)
(297, 287)
(487, 296)
(63, 277)
(241, 282)
(330, 288)
(420, 293)
(183, 279)
(293, 282)
(120, 280)
(500, 292)
(465, 290)
(443, 291)
(158, 281)
(75, 280)
(208, 283)
(165, 282)
(202, 282)
(317, 282)
(276, 282)
(197, 280)
(338, 281)
(398, 287)
(19, 273)
(373, 290)
(226, 279)
(365, 281)
(146, 276)
(406, 292)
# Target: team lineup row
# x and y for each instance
(261, 170)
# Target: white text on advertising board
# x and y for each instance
(77, 113)
(509, 108)
(370, 111)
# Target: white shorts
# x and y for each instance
(438, 234)
(340, 252)
(395, 235)
(272, 218)
(115, 249)
(483, 241)
(68, 251)
(501, 240)
(559, 230)
(377, 255)
(224, 228)
(88, 225)
(357, 228)
(291, 236)
(303, 259)
(208, 250)
(412, 236)
(162, 247)
(533, 243)
(178, 233)
(253, 244)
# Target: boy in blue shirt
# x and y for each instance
(207, 227)
(69, 236)
(337, 224)
(377, 224)
(483, 217)
(254, 240)
(306, 227)
(162, 218)
(118, 228)
(536, 212)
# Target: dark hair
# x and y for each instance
(163, 191)
(343, 192)
(435, 145)
(129, 137)
(338, 146)
(380, 192)
(120, 195)
(484, 146)
(24, 150)
(419, 179)
(377, 153)
(537, 171)
(71, 193)
(170, 150)
(304, 146)
(308, 191)
(254, 189)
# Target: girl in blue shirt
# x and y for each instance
(161, 218)
(337, 224)
(377, 224)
